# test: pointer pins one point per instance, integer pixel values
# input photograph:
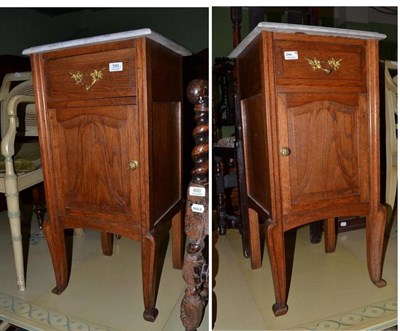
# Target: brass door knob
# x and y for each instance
(285, 151)
(133, 165)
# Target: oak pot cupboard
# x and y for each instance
(310, 118)
(109, 117)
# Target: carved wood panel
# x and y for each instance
(94, 147)
(325, 149)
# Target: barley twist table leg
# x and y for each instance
(195, 268)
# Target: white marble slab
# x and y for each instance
(306, 29)
(110, 38)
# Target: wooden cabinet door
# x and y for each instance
(93, 148)
(323, 147)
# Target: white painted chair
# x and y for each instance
(22, 166)
(4, 326)
(391, 104)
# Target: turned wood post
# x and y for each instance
(236, 18)
(195, 268)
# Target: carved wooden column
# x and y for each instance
(236, 18)
(195, 268)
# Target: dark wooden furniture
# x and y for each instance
(109, 114)
(224, 182)
(223, 114)
(195, 268)
(225, 81)
(310, 116)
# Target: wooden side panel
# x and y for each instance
(255, 113)
(166, 74)
(256, 150)
(249, 63)
(166, 156)
(165, 128)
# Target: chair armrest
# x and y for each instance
(12, 77)
(7, 143)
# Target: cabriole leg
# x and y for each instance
(55, 238)
(376, 223)
(276, 252)
(154, 246)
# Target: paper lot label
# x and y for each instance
(291, 55)
(197, 208)
(196, 191)
(115, 66)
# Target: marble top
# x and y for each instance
(110, 38)
(306, 29)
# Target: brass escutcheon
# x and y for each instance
(133, 164)
(285, 151)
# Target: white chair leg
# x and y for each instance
(391, 188)
(14, 216)
(11, 193)
(79, 232)
(4, 326)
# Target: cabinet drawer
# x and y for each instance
(314, 63)
(106, 74)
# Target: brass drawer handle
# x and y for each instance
(133, 165)
(79, 77)
(285, 151)
(332, 64)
